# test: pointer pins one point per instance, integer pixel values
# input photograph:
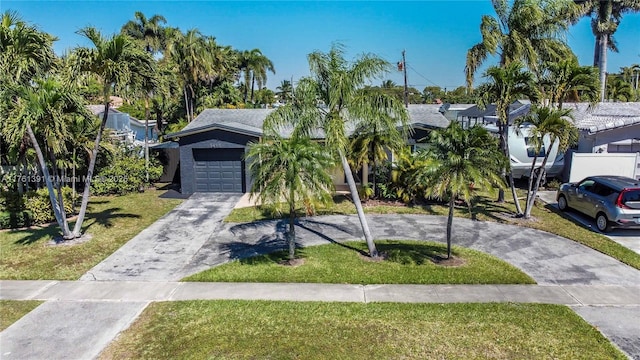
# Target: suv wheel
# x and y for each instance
(602, 222)
(562, 203)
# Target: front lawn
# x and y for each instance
(111, 221)
(313, 330)
(485, 209)
(408, 262)
(12, 310)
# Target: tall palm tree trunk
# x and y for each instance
(604, 43)
(512, 183)
(291, 235)
(373, 252)
(77, 229)
(58, 186)
(532, 200)
(73, 182)
(253, 82)
(52, 197)
(450, 225)
(146, 137)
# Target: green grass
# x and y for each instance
(112, 221)
(12, 310)
(408, 262)
(311, 330)
(485, 209)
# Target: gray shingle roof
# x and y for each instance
(250, 121)
(604, 116)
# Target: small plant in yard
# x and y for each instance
(455, 159)
(293, 170)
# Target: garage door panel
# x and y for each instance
(218, 170)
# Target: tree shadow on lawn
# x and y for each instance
(413, 254)
(106, 217)
(36, 233)
(275, 245)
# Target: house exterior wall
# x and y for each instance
(215, 139)
(599, 141)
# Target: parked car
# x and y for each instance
(613, 201)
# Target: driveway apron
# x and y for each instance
(161, 251)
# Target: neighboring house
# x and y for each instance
(126, 127)
(213, 145)
(609, 129)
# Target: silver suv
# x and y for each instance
(613, 201)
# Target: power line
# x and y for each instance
(422, 76)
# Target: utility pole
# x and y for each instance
(406, 89)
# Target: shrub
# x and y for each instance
(12, 220)
(38, 204)
(125, 174)
(11, 201)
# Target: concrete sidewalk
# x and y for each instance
(99, 311)
(136, 291)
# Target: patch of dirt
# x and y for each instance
(382, 256)
(293, 263)
(513, 219)
(59, 241)
(377, 202)
(451, 262)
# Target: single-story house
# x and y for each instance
(611, 127)
(611, 132)
(212, 147)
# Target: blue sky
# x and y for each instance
(435, 34)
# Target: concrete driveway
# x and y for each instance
(161, 251)
(629, 238)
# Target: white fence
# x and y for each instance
(591, 164)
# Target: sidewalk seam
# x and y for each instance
(43, 289)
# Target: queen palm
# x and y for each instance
(149, 32)
(529, 31)
(605, 18)
(619, 90)
(41, 112)
(458, 163)
(506, 85)
(291, 170)
(567, 77)
(552, 123)
(334, 98)
(255, 66)
(114, 61)
(285, 91)
(371, 141)
(25, 51)
(188, 53)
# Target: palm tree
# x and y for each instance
(333, 98)
(528, 31)
(619, 90)
(25, 51)
(149, 32)
(292, 170)
(506, 85)
(255, 66)
(567, 77)
(554, 124)
(114, 60)
(605, 18)
(372, 139)
(458, 163)
(285, 91)
(40, 111)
